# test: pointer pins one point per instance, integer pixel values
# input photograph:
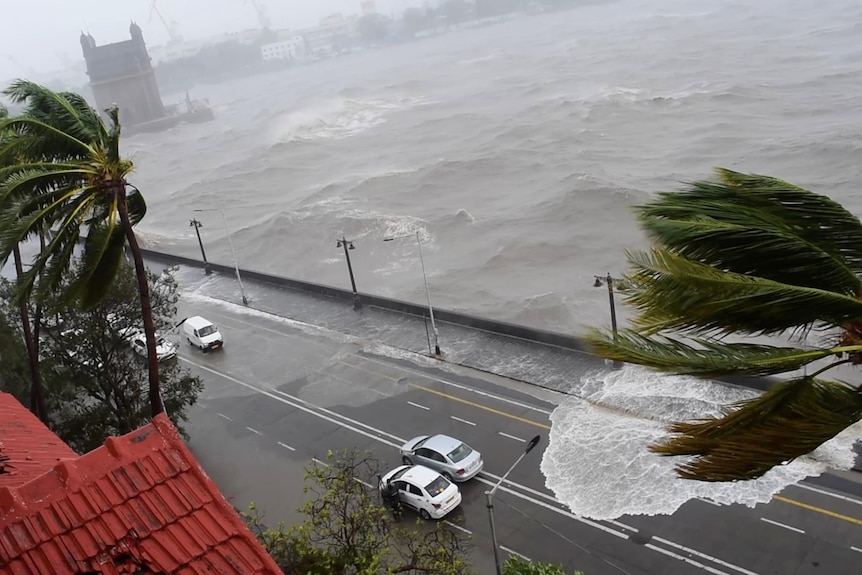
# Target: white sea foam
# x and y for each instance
(597, 461)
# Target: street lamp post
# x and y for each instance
(427, 291)
(232, 251)
(197, 226)
(490, 504)
(348, 245)
(610, 283)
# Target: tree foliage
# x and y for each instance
(95, 384)
(347, 530)
(743, 256)
(61, 174)
(517, 566)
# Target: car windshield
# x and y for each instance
(460, 452)
(206, 330)
(160, 341)
(438, 486)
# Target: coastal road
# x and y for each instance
(278, 396)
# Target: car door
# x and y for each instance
(426, 457)
(404, 493)
(417, 498)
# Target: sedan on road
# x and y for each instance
(165, 349)
(451, 457)
(423, 490)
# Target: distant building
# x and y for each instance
(122, 74)
(331, 36)
(369, 7)
(289, 49)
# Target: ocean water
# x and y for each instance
(517, 150)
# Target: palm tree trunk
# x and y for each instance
(156, 406)
(37, 398)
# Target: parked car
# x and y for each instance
(453, 458)
(423, 490)
(202, 333)
(165, 349)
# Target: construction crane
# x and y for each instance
(260, 10)
(174, 36)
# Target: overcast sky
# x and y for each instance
(36, 31)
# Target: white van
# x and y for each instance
(202, 333)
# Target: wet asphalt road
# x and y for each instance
(278, 396)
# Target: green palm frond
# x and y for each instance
(707, 357)
(65, 111)
(675, 293)
(747, 241)
(790, 420)
(136, 204)
(102, 256)
(746, 198)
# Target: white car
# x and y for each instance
(424, 490)
(453, 458)
(165, 349)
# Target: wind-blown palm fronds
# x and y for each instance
(746, 255)
(64, 173)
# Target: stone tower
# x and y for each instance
(122, 74)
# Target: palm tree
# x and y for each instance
(748, 255)
(70, 178)
(37, 398)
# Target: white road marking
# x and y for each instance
(510, 552)
(463, 420)
(286, 446)
(829, 493)
(462, 387)
(458, 527)
(685, 559)
(419, 406)
(223, 416)
(704, 556)
(319, 462)
(708, 501)
(512, 437)
(256, 432)
(782, 525)
(856, 549)
(421, 374)
(365, 483)
(379, 435)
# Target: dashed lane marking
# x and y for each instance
(510, 552)
(223, 416)
(512, 437)
(463, 420)
(419, 406)
(781, 525)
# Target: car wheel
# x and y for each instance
(200, 347)
(423, 513)
(406, 460)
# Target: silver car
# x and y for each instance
(451, 457)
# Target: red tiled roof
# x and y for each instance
(141, 503)
(27, 447)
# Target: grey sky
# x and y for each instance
(35, 31)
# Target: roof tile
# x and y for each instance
(31, 447)
(142, 496)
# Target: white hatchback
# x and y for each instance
(165, 349)
(423, 490)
